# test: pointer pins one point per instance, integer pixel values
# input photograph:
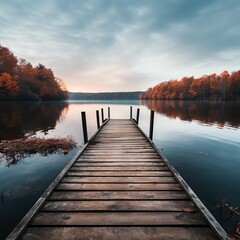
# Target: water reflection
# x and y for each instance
(219, 113)
(18, 120)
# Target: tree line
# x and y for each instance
(105, 96)
(208, 87)
(19, 80)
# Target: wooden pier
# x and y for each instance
(118, 187)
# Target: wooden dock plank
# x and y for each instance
(120, 179)
(126, 168)
(118, 173)
(115, 187)
(120, 205)
(117, 219)
(118, 158)
(120, 233)
(118, 188)
(119, 195)
(117, 164)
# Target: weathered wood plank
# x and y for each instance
(120, 151)
(117, 164)
(120, 233)
(119, 154)
(118, 173)
(121, 164)
(118, 219)
(127, 158)
(113, 206)
(123, 186)
(118, 146)
(102, 159)
(129, 141)
(124, 168)
(119, 195)
(120, 179)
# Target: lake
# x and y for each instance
(200, 139)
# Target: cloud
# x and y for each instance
(123, 45)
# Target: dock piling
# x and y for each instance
(97, 117)
(130, 112)
(102, 113)
(84, 127)
(137, 117)
(109, 112)
(151, 124)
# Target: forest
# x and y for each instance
(225, 86)
(105, 96)
(20, 81)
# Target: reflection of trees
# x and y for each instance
(20, 119)
(218, 113)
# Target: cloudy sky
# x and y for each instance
(123, 45)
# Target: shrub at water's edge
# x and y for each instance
(19, 80)
(209, 87)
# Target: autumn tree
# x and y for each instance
(8, 61)
(233, 86)
(224, 79)
(195, 89)
(208, 87)
(215, 86)
(33, 83)
(8, 87)
(184, 87)
(62, 86)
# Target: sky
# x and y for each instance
(123, 45)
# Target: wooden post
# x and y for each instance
(130, 112)
(102, 115)
(98, 121)
(137, 118)
(151, 125)
(109, 112)
(84, 127)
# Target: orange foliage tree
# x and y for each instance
(8, 61)
(31, 83)
(9, 87)
(209, 87)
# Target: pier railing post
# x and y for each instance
(130, 112)
(84, 127)
(137, 117)
(109, 112)
(102, 115)
(98, 119)
(151, 125)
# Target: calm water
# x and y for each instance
(202, 140)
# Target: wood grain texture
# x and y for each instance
(123, 168)
(119, 179)
(119, 195)
(119, 233)
(118, 219)
(120, 173)
(123, 205)
(115, 187)
(117, 164)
